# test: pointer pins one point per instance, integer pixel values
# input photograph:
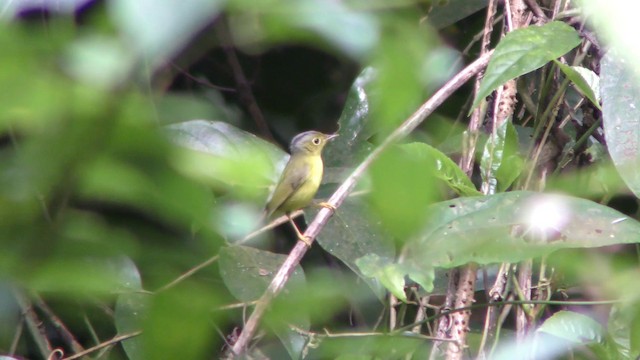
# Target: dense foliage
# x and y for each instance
(139, 141)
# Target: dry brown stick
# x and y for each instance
(460, 319)
(245, 95)
(59, 325)
(34, 324)
(285, 271)
(524, 321)
(277, 222)
(113, 341)
(444, 323)
(495, 294)
(535, 8)
(16, 338)
(460, 292)
(202, 81)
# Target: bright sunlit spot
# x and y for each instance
(547, 214)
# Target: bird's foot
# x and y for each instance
(326, 205)
(305, 239)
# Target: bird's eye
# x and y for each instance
(316, 141)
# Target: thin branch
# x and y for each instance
(458, 293)
(524, 316)
(202, 81)
(34, 324)
(535, 8)
(244, 90)
(16, 338)
(113, 341)
(59, 325)
(235, 306)
(277, 222)
(189, 273)
(328, 334)
(285, 271)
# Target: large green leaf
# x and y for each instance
(351, 234)
(623, 326)
(585, 80)
(443, 167)
(354, 33)
(155, 31)
(223, 153)
(130, 313)
(405, 69)
(178, 325)
(524, 50)
(247, 272)
(391, 276)
(511, 227)
(574, 327)
(131, 310)
(620, 92)
(403, 185)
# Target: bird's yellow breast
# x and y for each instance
(302, 196)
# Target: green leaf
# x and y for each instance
(371, 265)
(511, 227)
(501, 164)
(372, 347)
(99, 61)
(403, 185)
(176, 107)
(130, 312)
(354, 33)
(620, 92)
(443, 167)
(585, 80)
(153, 29)
(351, 234)
(623, 326)
(524, 50)
(153, 188)
(402, 69)
(131, 309)
(178, 326)
(224, 154)
(247, 272)
(573, 327)
(351, 146)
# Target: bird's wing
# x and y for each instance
(296, 176)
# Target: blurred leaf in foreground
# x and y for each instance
(620, 94)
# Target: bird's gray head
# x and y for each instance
(310, 142)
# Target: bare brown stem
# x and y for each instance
(59, 325)
(113, 341)
(242, 84)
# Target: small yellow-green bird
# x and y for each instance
(301, 177)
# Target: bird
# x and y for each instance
(300, 178)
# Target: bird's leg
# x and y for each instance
(301, 237)
(324, 204)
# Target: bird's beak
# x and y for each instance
(332, 136)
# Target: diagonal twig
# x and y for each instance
(285, 271)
